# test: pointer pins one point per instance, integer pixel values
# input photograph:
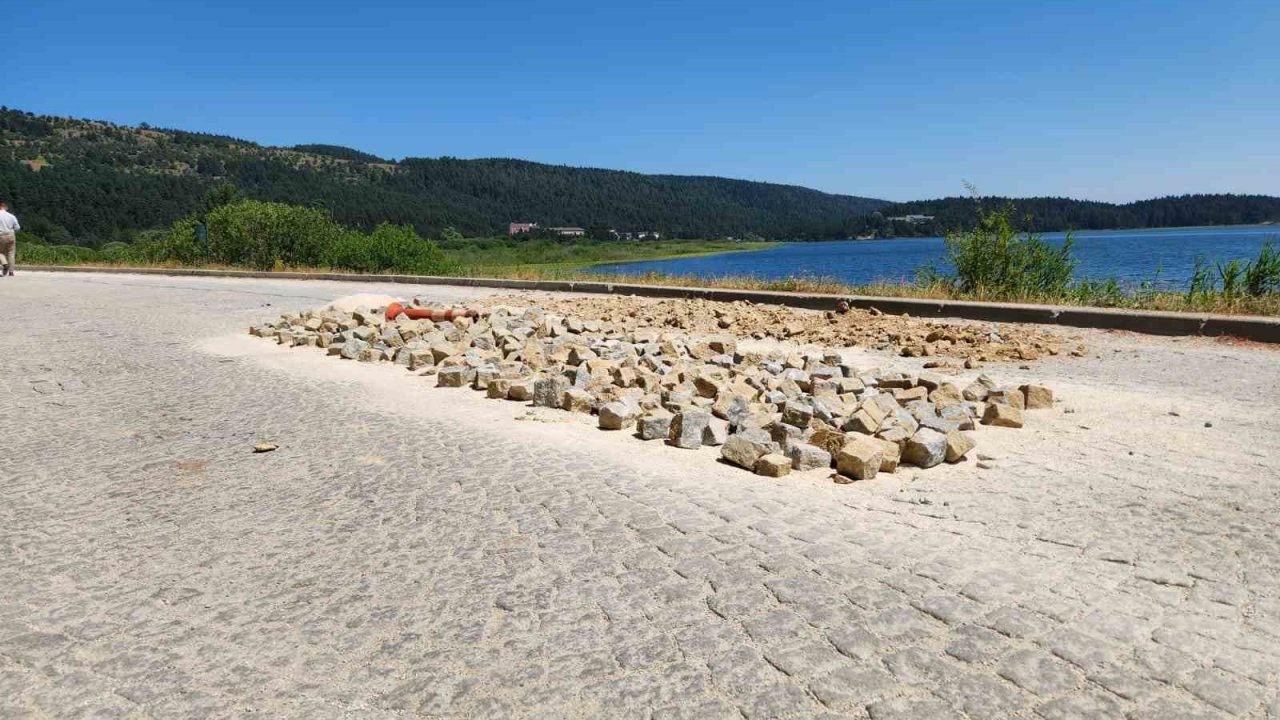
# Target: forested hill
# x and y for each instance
(89, 182)
(1043, 214)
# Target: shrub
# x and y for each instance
(261, 235)
(996, 260)
(178, 245)
(388, 247)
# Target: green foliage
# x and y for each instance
(38, 254)
(1237, 278)
(388, 247)
(178, 245)
(996, 260)
(484, 255)
(264, 236)
(272, 235)
(1103, 293)
(1262, 275)
(1202, 284)
(339, 152)
(46, 230)
(101, 178)
(117, 253)
(224, 193)
(601, 232)
(1048, 214)
(1231, 276)
(269, 235)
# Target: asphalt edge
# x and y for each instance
(1149, 322)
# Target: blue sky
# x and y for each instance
(1108, 100)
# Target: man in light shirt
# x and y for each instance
(8, 237)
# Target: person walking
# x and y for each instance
(8, 237)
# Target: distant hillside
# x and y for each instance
(339, 152)
(1044, 214)
(90, 181)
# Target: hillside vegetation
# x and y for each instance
(229, 232)
(91, 182)
(1048, 214)
(88, 182)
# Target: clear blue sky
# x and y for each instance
(1101, 99)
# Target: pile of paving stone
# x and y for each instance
(769, 413)
(841, 327)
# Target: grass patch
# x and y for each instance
(477, 256)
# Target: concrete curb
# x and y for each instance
(1260, 329)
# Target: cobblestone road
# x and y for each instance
(1115, 563)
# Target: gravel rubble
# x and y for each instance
(646, 372)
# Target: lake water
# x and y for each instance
(1130, 256)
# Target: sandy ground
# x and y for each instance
(413, 551)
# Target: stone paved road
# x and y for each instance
(420, 559)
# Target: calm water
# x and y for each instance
(1131, 256)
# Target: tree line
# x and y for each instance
(1048, 214)
(92, 182)
(79, 181)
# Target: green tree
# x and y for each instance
(224, 193)
(211, 165)
(601, 232)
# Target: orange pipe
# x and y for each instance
(395, 310)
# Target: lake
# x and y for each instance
(1130, 256)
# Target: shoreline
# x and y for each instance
(1260, 327)
(1085, 294)
(756, 247)
(1275, 225)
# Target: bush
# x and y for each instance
(271, 235)
(995, 260)
(262, 235)
(178, 245)
(388, 247)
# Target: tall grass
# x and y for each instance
(996, 262)
(1262, 276)
(1237, 281)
